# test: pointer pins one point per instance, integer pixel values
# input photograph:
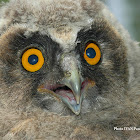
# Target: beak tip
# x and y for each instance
(77, 113)
(76, 109)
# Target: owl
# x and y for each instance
(68, 71)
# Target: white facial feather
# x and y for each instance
(66, 37)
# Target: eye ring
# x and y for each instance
(92, 53)
(35, 64)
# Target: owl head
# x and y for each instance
(62, 56)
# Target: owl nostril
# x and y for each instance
(67, 74)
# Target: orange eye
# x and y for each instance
(32, 60)
(92, 54)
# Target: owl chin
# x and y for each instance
(66, 94)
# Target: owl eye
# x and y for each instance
(92, 53)
(32, 60)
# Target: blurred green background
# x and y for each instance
(128, 14)
(4, 0)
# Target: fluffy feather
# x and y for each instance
(113, 102)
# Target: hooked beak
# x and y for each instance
(71, 89)
(74, 83)
(78, 89)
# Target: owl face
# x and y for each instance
(74, 64)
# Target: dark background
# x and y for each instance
(127, 12)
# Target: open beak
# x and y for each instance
(70, 89)
(75, 84)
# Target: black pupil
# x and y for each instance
(33, 59)
(90, 52)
